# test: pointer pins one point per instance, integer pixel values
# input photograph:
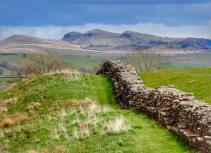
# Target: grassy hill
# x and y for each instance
(76, 113)
(194, 80)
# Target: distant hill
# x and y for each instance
(28, 44)
(103, 42)
(96, 39)
(19, 39)
(129, 40)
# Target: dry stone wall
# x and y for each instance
(179, 112)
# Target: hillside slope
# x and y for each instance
(76, 113)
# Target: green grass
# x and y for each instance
(4, 83)
(11, 58)
(53, 93)
(87, 62)
(4, 80)
(196, 60)
(194, 80)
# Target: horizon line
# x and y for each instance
(157, 29)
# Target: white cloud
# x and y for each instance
(57, 32)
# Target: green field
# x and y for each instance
(90, 62)
(4, 80)
(54, 115)
(194, 80)
(198, 60)
(11, 57)
(87, 63)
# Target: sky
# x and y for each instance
(53, 18)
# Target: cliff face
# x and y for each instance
(179, 112)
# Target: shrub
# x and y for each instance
(147, 61)
(39, 64)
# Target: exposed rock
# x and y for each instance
(71, 36)
(179, 112)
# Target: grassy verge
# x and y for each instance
(77, 113)
(194, 80)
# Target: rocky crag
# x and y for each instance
(179, 112)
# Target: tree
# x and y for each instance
(38, 64)
(147, 61)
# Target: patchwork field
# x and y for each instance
(89, 62)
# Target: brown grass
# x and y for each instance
(30, 129)
(57, 149)
(4, 147)
(64, 71)
(4, 103)
(32, 107)
(31, 151)
(10, 101)
(88, 123)
(117, 125)
(2, 111)
(13, 120)
(12, 85)
(78, 103)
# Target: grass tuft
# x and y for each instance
(115, 126)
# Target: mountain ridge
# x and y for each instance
(104, 40)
